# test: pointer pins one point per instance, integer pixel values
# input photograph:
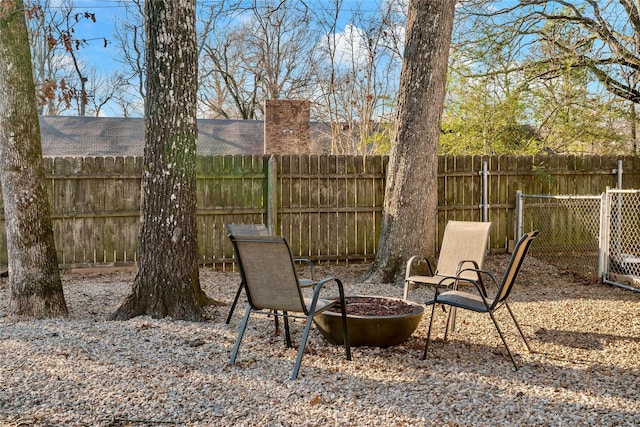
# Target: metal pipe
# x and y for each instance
(603, 237)
(518, 214)
(272, 196)
(485, 191)
(619, 175)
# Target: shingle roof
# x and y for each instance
(108, 136)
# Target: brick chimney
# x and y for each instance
(287, 126)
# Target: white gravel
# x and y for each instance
(87, 371)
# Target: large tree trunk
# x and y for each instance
(36, 289)
(411, 198)
(167, 283)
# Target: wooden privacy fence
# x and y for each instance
(329, 207)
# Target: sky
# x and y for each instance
(107, 12)
(103, 58)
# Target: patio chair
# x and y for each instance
(483, 302)
(464, 247)
(268, 272)
(262, 230)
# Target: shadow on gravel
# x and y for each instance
(579, 339)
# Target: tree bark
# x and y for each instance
(411, 198)
(167, 283)
(36, 289)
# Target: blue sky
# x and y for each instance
(108, 11)
(104, 59)
(94, 53)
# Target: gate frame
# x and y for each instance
(604, 254)
(604, 237)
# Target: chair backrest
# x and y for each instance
(463, 240)
(519, 252)
(268, 272)
(248, 229)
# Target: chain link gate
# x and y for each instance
(569, 230)
(620, 242)
(596, 237)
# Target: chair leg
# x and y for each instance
(243, 327)
(447, 325)
(451, 324)
(526, 343)
(345, 333)
(495, 322)
(405, 293)
(287, 334)
(233, 305)
(303, 344)
(426, 344)
(276, 322)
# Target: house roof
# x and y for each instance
(111, 136)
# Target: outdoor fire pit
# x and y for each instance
(374, 321)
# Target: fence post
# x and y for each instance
(485, 191)
(518, 215)
(272, 195)
(619, 174)
(603, 244)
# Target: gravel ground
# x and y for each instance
(87, 371)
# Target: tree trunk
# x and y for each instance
(411, 198)
(167, 283)
(36, 289)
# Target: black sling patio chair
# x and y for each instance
(270, 280)
(262, 230)
(483, 302)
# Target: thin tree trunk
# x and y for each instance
(634, 129)
(36, 289)
(167, 283)
(411, 198)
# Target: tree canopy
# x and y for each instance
(562, 75)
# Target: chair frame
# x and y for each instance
(308, 312)
(262, 230)
(481, 302)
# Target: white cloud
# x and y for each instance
(350, 46)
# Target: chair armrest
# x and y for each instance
(464, 262)
(480, 282)
(309, 264)
(477, 283)
(416, 261)
(318, 288)
(473, 267)
(456, 279)
(343, 305)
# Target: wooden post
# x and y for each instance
(272, 196)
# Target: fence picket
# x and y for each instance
(329, 207)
